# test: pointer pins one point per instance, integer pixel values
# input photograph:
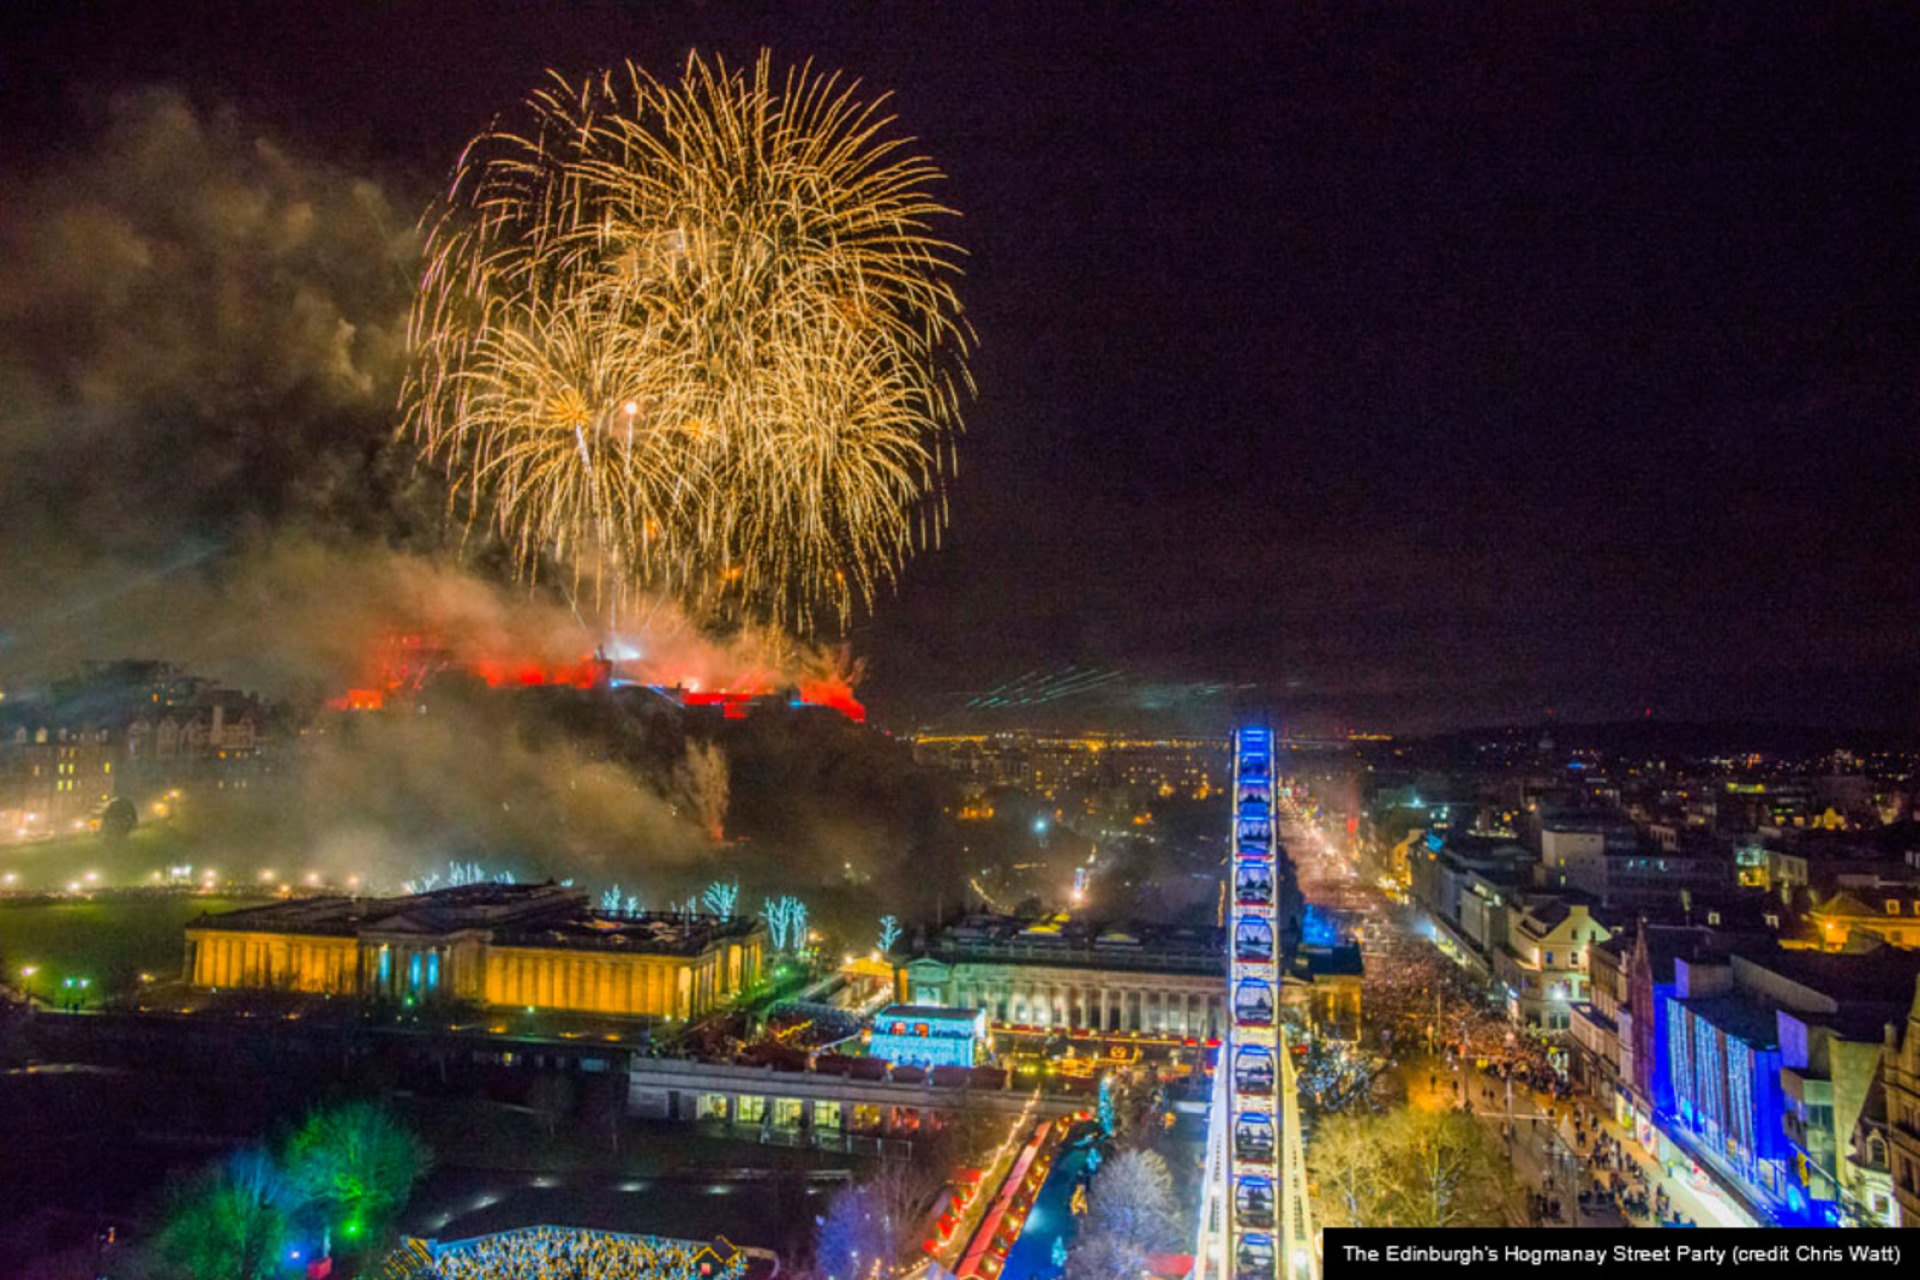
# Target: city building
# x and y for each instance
(1058, 974)
(1869, 1153)
(1602, 1026)
(1771, 1060)
(1466, 885)
(925, 1036)
(1886, 912)
(126, 730)
(1617, 865)
(528, 946)
(1651, 974)
(1542, 968)
(1900, 1071)
(1050, 766)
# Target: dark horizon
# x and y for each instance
(1400, 369)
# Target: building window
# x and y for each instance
(1893, 906)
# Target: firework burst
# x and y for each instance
(699, 337)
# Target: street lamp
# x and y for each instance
(26, 979)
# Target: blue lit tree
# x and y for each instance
(610, 900)
(1106, 1105)
(786, 918)
(889, 933)
(721, 897)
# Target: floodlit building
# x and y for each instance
(529, 946)
(925, 1036)
(1888, 911)
(1056, 975)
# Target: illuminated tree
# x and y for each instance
(721, 897)
(1104, 1257)
(1410, 1169)
(1348, 1167)
(358, 1163)
(228, 1223)
(889, 933)
(1132, 1201)
(610, 900)
(869, 1228)
(786, 918)
(1449, 1172)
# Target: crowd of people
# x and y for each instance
(1616, 1175)
(565, 1253)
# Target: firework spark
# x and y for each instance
(699, 337)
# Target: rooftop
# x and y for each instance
(526, 915)
(1885, 977)
(927, 1011)
(1743, 1019)
(1066, 941)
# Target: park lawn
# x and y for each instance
(110, 942)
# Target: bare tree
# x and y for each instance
(1102, 1257)
(1450, 1172)
(1410, 1169)
(875, 1224)
(1130, 1213)
(1349, 1173)
(550, 1095)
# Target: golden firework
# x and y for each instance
(700, 336)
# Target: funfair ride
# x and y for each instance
(1253, 1215)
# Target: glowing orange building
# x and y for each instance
(523, 946)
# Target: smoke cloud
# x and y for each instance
(201, 344)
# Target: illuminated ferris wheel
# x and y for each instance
(1253, 1220)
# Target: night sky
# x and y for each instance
(1417, 365)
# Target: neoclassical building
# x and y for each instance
(536, 946)
(1048, 974)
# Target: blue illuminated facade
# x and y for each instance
(928, 1036)
(1722, 1070)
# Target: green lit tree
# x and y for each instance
(231, 1222)
(357, 1164)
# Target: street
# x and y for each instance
(1560, 1148)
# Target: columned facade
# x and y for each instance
(536, 947)
(1073, 998)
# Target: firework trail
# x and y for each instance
(1035, 688)
(699, 337)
